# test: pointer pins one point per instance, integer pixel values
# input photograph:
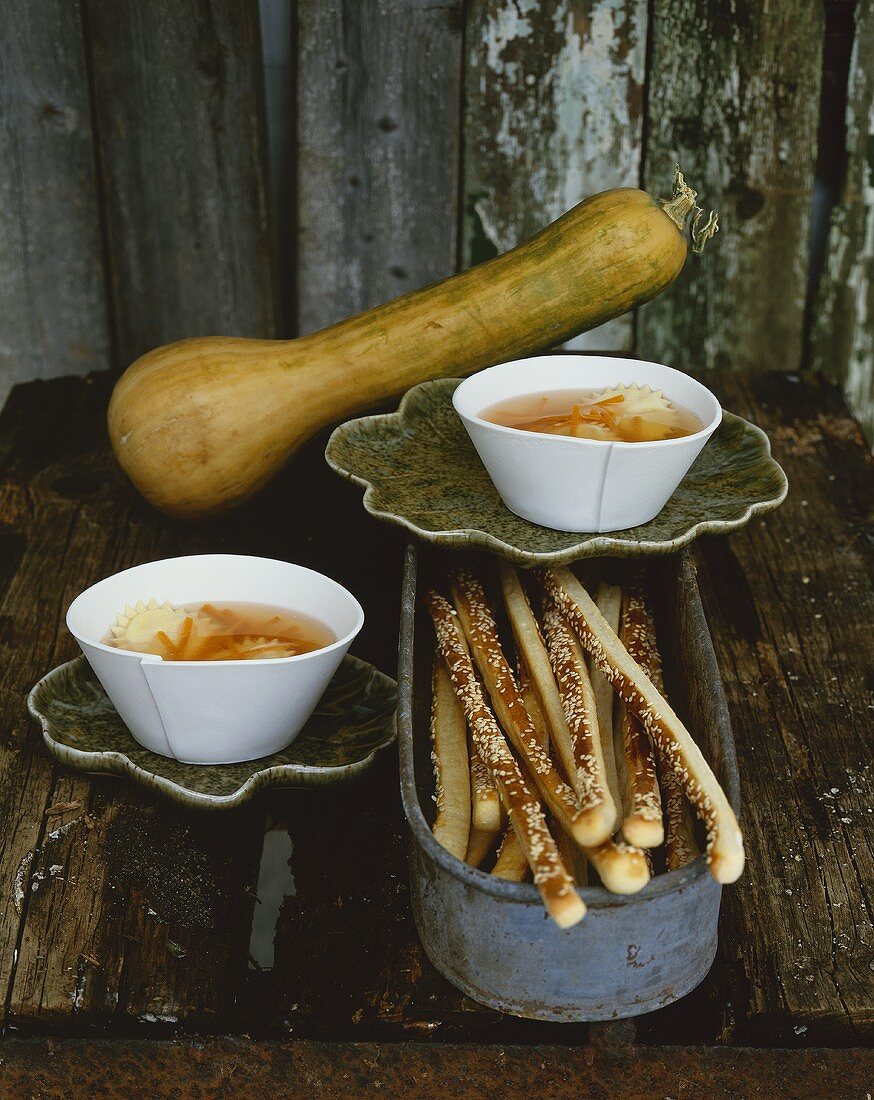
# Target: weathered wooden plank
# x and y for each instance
(790, 604)
(99, 889)
(52, 300)
(231, 1068)
(843, 326)
(178, 97)
(378, 115)
(733, 96)
(129, 908)
(553, 112)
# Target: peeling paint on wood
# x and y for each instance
(379, 104)
(733, 95)
(553, 114)
(843, 331)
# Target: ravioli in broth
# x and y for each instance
(220, 631)
(625, 414)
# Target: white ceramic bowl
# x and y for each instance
(587, 485)
(215, 712)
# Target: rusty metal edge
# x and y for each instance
(594, 896)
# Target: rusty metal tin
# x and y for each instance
(492, 939)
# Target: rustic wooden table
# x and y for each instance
(136, 922)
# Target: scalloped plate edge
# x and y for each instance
(111, 762)
(530, 558)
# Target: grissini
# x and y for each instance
(511, 864)
(481, 633)
(623, 869)
(485, 800)
(450, 759)
(556, 887)
(677, 749)
(578, 702)
(642, 822)
(479, 844)
(681, 847)
(608, 597)
(532, 650)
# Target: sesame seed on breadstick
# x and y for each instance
(451, 770)
(578, 701)
(556, 887)
(681, 847)
(608, 597)
(481, 632)
(642, 822)
(677, 749)
(574, 733)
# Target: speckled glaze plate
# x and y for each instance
(354, 720)
(420, 471)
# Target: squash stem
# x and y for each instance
(681, 204)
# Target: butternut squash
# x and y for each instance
(202, 424)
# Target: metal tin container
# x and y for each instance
(492, 939)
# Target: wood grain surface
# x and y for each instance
(843, 328)
(52, 300)
(377, 166)
(178, 101)
(553, 113)
(134, 912)
(733, 96)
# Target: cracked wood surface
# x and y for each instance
(733, 96)
(131, 910)
(843, 329)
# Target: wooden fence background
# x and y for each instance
(166, 170)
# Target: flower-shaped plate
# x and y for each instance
(420, 471)
(353, 721)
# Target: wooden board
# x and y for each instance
(137, 912)
(843, 329)
(733, 95)
(553, 113)
(179, 118)
(377, 166)
(52, 301)
(237, 1068)
(790, 606)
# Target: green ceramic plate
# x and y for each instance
(420, 471)
(353, 721)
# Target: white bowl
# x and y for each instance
(586, 485)
(215, 712)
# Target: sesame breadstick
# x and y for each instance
(485, 647)
(485, 801)
(609, 600)
(642, 822)
(681, 847)
(570, 674)
(623, 869)
(677, 750)
(479, 844)
(531, 647)
(511, 864)
(449, 755)
(556, 887)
